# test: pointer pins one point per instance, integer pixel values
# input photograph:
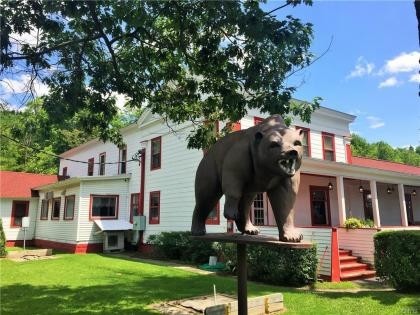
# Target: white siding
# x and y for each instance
(319, 236)
(359, 241)
(15, 233)
(87, 228)
(63, 231)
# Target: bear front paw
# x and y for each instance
(292, 236)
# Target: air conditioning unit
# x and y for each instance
(114, 241)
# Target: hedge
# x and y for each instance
(180, 246)
(281, 266)
(275, 265)
(397, 259)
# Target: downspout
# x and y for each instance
(142, 183)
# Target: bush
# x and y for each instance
(180, 246)
(280, 266)
(2, 241)
(356, 223)
(397, 259)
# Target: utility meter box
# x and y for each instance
(139, 223)
(25, 222)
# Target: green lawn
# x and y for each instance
(97, 284)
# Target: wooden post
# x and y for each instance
(242, 278)
(241, 241)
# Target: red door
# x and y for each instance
(320, 206)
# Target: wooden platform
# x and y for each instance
(251, 240)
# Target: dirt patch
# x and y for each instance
(195, 305)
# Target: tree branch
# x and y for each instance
(92, 8)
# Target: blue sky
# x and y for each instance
(370, 70)
(367, 71)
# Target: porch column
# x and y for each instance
(403, 209)
(341, 200)
(375, 205)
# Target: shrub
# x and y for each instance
(397, 258)
(2, 241)
(353, 223)
(356, 223)
(180, 246)
(281, 266)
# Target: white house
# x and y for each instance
(105, 183)
(18, 200)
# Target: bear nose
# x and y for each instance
(292, 154)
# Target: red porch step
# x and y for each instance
(351, 268)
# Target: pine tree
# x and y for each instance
(2, 241)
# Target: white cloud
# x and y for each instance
(405, 62)
(120, 100)
(375, 122)
(362, 68)
(392, 81)
(14, 89)
(415, 78)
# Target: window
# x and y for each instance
(91, 164)
(123, 160)
(328, 146)
(214, 215)
(259, 210)
(154, 207)
(104, 206)
(20, 209)
(306, 141)
(69, 207)
(257, 120)
(44, 210)
(134, 206)
(55, 212)
(320, 206)
(65, 171)
(156, 156)
(102, 157)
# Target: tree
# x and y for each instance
(31, 139)
(2, 241)
(187, 61)
(383, 151)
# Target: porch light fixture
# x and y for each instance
(389, 190)
(361, 188)
(414, 192)
(330, 186)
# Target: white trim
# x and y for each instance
(403, 208)
(375, 204)
(74, 181)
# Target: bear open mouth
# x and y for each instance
(288, 166)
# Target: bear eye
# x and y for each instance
(274, 144)
(297, 142)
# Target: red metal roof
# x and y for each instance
(386, 165)
(19, 185)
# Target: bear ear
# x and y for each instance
(258, 136)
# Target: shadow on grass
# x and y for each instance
(117, 298)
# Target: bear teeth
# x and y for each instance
(288, 165)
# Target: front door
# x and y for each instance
(320, 206)
(367, 204)
(409, 208)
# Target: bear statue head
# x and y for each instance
(278, 148)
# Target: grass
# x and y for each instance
(99, 284)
